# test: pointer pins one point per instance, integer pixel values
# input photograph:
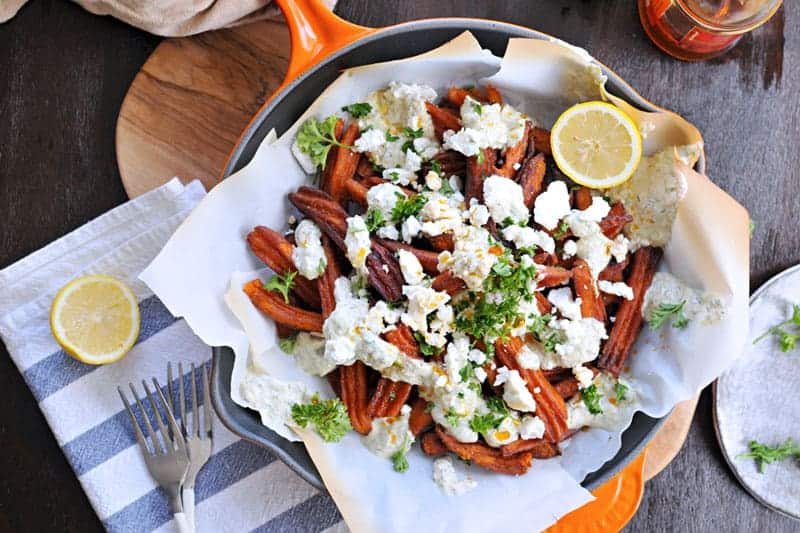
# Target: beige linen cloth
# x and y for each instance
(172, 18)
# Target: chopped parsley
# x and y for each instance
(316, 138)
(411, 135)
(664, 311)
(373, 219)
(329, 417)
(765, 455)
(407, 207)
(787, 340)
(426, 349)
(482, 315)
(391, 138)
(436, 166)
(483, 423)
(452, 417)
(359, 109)
(323, 263)
(562, 229)
(481, 157)
(497, 405)
(477, 108)
(620, 390)
(591, 398)
(282, 284)
(429, 407)
(287, 344)
(446, 188)
(466, 372)
(399, 459)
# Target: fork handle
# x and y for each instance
(188, 506)
(182, 524)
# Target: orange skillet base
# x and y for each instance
(616, 503)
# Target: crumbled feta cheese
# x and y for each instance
(531, 427)
(308, 255)
(388, 232)
(618, 287)
(528, 357)
(444, 474)
(480, 374)
(384, 198)
(505, 433)
(552, 205)
(421, 302)
(568, 306)
(501, 377)
(528, 237)
(471, 260)
(478, 214)
(411, 267)
(504, 199)
(411, 228)
(485, 125)
(396, 108)
(597, 211)
(516, 393)
(476, 356)
(433, 181)
(583, 375)
(439, 216)
(357, 242)
(570, 248)
(292, 220)
(581, 340)
(400, 176)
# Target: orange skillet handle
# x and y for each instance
(615, 504)
(315, 33)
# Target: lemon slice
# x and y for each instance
(596, 144)
(95, 319)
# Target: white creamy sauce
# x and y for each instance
(272, 398)
(308, 255)
(700, 307)
(389, 435)
(651, 197)
(445, 476)
(309, 353)
(614, 413)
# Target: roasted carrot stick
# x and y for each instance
(273, 305)
(353, 383)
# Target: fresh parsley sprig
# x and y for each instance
(788, 340)
(374, 219)
(620, 391)
(316, 138)
(591, 398)
(484, 423)
(358, 110)
(282, 284)
(328, 416)
(665, 311)
(562, 229)
(765, 455)
(399, 459)
(407, 207)
(287, 344)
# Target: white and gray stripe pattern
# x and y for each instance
(242, 488)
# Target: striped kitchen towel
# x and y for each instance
(242, 488)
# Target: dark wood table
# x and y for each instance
(64, 72)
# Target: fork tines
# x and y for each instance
(195, 429)
(170, 440)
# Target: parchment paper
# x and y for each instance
(208, 254)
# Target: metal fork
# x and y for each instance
(199, 440)
(168, 462)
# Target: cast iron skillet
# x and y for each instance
(323, 45)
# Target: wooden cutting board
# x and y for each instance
(193, 97)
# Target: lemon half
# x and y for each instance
(95, 319)
(596, 144)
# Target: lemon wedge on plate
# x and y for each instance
(596, 144)
(95, 319)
